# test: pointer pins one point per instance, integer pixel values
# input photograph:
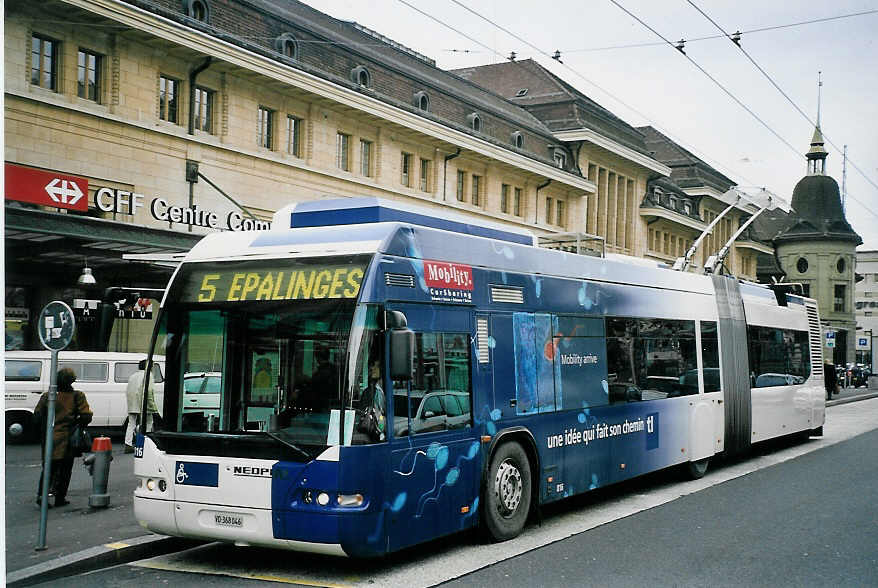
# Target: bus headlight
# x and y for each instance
(150, 484)
(352, 500)
(323, 499)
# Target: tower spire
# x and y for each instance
(817, 153)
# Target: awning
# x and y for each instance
(57, 246)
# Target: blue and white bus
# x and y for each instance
(386, 377)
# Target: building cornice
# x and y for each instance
(599, 140)
(674, 217)
(178, 34)
(758, 247)
(717, 195)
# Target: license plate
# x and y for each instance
(228, 520)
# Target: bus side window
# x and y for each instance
(441, 389)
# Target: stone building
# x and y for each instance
(866, 308)
(815, 246)
(654, 197)
(133, 127)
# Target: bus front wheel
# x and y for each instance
(508, 492)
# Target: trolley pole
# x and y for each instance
(56, 327)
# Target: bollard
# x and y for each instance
(98, 463)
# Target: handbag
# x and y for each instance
(80, 439)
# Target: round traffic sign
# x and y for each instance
(56, 326)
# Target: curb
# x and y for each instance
(865, 396)
(102, 556)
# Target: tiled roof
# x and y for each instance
(545, 89)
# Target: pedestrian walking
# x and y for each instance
(71, 409)
(830, 380)
(134, 397)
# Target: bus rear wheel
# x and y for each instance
(696, 469)
(508, 492)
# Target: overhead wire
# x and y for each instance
(704, 38)
(567, 67)
(711, 78)
(787, 97)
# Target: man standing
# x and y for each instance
(134, 396)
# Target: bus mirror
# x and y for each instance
(395, 319)
(402, 344)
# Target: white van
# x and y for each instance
(102, 377)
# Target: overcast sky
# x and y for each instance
(654, 84)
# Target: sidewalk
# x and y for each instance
(81, 539)
(77, 537)
(852, 394)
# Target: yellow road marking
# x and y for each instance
(203, 569)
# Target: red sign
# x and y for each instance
(439, 274)
(26, 184)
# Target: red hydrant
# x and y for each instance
(98, 464)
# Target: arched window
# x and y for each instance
(475, 122)
(421, 101)
(361, 76)
(287, 45)
(197, 9)
(517, 139)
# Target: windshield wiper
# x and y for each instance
(289, 444)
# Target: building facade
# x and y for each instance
(866, 308)
(815, 247)
(173, 119)
(134, 127)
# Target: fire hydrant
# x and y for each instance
(98, 464)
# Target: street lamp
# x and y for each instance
(86, 279)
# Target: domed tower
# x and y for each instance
(818, 248)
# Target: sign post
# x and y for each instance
(55, 327)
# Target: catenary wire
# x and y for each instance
(785, 95)
(578, 74)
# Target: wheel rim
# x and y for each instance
(507, 488)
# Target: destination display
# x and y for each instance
(287, 281)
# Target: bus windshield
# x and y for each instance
(279, 365)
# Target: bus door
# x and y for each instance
(433, 481)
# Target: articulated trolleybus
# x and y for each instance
(383, 378)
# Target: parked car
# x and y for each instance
(769, 379)
(434, 411)
(102, 376)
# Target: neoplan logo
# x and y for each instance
(251, 471)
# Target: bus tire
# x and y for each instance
(507, 492)
(696, 469)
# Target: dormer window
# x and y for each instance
(518, 139)
(197, 9)
(475, 122)
(422, 101)
(287, 46)
(559, 158)
(361, 76)
(687, 208)
(672, 202)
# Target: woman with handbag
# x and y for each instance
(71, 409)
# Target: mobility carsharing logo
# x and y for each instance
(65, 192)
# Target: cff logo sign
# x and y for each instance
(449, 282)
(25, 184)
